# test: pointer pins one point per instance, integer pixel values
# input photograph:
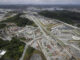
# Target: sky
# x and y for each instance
(39, 1)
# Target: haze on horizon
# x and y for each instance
(39, 1)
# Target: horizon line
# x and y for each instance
(39, 4)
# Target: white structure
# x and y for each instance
(2, 52)
(76, 37)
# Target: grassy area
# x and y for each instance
(14, 49)
(38, 52)
(79, 43)
(30, 51)
(19, 21)
(78, 25)
(49, 26)
(23, 38)
(61, 43)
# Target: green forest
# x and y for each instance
(14, 49)
(19, 21)
(2, 26)
(62, 15)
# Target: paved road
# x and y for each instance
(68, 24)
(24, 52)
(36, 57)
(47, 33)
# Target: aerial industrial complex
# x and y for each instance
(56, 40)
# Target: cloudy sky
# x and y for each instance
(39, 1)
